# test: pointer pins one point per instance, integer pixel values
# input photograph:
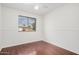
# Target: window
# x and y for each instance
(26, 24)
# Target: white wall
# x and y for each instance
(0, 26)
(62, 27)
(11, 36)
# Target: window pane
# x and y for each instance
(26, 24)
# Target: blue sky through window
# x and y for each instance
(26, 20)
(23, 20)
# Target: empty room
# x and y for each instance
(39, 28)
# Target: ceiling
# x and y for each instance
(44, 8)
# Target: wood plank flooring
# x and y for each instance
(41, 48)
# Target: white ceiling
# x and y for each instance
(44, 8)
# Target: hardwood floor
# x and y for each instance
(41, 48)
(46, 48)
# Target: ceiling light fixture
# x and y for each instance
(36, 7)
